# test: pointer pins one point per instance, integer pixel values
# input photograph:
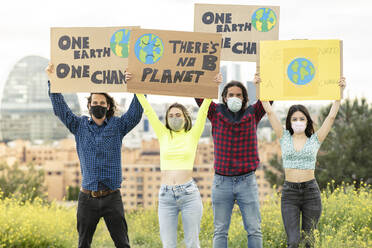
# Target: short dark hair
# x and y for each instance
(237, 84)
(294, 108)
(188, 122)
(109, 99)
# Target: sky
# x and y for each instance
(25, 28)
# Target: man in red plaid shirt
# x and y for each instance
(234, 126)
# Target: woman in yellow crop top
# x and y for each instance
(178, 141)
(299, 145)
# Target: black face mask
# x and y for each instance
(98, 111)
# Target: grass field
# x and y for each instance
(346, 221)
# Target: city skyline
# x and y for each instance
(25, 108)
(140, 168)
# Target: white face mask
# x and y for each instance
(298, 126)
(234, 104)
(176, 123)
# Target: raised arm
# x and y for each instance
(328, 122)
(211, 110)
(258, 108)
(60, 107)
(156, 124)
(212, 105)
(132, 117)
(274, 121)
(198, 128)
(257, 81)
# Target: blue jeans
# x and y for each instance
(243, 190)
(184, 198)
(300, 198)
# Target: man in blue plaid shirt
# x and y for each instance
(98, 143)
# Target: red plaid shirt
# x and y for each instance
(235, 142)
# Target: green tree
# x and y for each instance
(275, 173)
(72, 193)
(23, 183)
(346, 153)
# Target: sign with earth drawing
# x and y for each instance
(241, 26)
(89, 59)
(174, 63)
(300, 69)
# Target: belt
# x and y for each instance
(238, 175)
(99, 193)
(301, 185)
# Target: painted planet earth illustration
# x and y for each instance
(264, 19)
(301, 71)
(149, 48)
(119, 43)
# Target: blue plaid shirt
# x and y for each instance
(98, 147)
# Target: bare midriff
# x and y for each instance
(175, 177)
(298, 176)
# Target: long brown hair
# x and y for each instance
(188, 122)
(109, 99)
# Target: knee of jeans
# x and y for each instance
(169, 244)
(168, 241)
(293, 244)
(192, 240)
(220, 234)
(254, 229)
(293, 240)
(254, 233)
(221, 229)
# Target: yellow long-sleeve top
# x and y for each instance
(177, 150)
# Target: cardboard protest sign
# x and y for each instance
(89, 59)
(300, 69)
(174, 63)
(241, 26)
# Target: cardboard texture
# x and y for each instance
(300, 69)
(174, 63)
(89, 59)
(241, 26)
